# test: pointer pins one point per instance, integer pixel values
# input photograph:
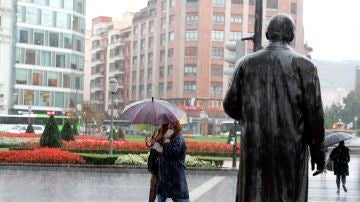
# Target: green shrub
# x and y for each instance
(100, 159)
(115, 135)
(51, 135)
(120, 134)
(30, 128)
(192, 161)
(66, 132)
(75, 130)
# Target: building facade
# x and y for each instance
(108, 59)
(7, 15)
(49, 56)
(177, 51)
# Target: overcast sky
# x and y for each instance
(332, 27)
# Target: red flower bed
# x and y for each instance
(86, 137)
(41, 155)
(21, 135)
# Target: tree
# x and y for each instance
(120, 134)
(30, 128)
(74, 129)
(67, 132)
(51, 134)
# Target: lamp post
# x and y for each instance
(29, 108)
(355, 122)
(113, 85)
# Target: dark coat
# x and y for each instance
(275, 96)
(172, 179)
(340, 156)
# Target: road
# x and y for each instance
(62, 186)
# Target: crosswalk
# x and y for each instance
(323, 187)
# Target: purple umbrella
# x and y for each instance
(152, 111)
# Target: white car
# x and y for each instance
(22, 129)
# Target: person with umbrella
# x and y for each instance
(340, 156)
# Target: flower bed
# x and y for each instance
(41, 155)
(20, 135)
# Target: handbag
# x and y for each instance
(329, 165)
(153, 162)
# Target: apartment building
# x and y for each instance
(178, 47)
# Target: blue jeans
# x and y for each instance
(162, 199)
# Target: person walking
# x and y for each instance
(275, 95)
(341, 157)
(172, 180)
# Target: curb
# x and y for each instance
(110, 169)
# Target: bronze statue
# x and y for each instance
(275, 96)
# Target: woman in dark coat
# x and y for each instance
(172, 181)
(340, 156)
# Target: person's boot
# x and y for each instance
(345, 190)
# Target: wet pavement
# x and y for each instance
(62, 186)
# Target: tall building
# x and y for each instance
(7, 15)
(357, 80)
(108, 58)
(49, 56)
(178, 47)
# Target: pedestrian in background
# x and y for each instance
(341, 157)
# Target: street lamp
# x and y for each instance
(355, 122)
(113, 85)
(29, 108)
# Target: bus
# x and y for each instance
(9, 121)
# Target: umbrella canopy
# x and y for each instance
(153, 112)
(334, 138)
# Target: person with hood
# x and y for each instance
(340, 156)
(275, 95)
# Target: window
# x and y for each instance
(217, 35)
(151, 26)
(252, 2)
(32, 16)
(171, 19)
(68, 41)
(163, 23)
(192, 18)
(61, 20)
(37, 78)
(163, 6)
(170, 52)
(134, 60)
(44, 98)
(218, 18)
(149, 74)
(161, 89)
(55, 3)
(38, 37)
(21, 76)
(235, 36)
(190, 69)
(236, 19)
(66, 81)
(217, 52)
(191, 51)
(41, 2)
(150, 58)
(74, 62)
(161, 72)
(192, 1)
(134, 76)
(135, 45)
(54, 39)
(52, 79)
(171, 36)
(189, 86)
(24, 36)
(143, 28)
(45, 58)
(142, 43)
(30, 57)
(149, 90)
(135, 30)
(60, 60)
(59, 99)
(151, 42)
(28, 97)
(169, 86)
(273, 4)
(172, 3)
(237, 1)
(216, 70)
(191, 35)
(162, 55)
(216, 87)
(170, 69)
(293, 7)
(142, 59)
(75, 23)
(162, 39)
(219, 3)
(47, 18)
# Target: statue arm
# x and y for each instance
(232, 100)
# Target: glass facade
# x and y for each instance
(49, 61)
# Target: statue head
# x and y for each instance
(281, 28)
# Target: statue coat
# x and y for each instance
(275, 95)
